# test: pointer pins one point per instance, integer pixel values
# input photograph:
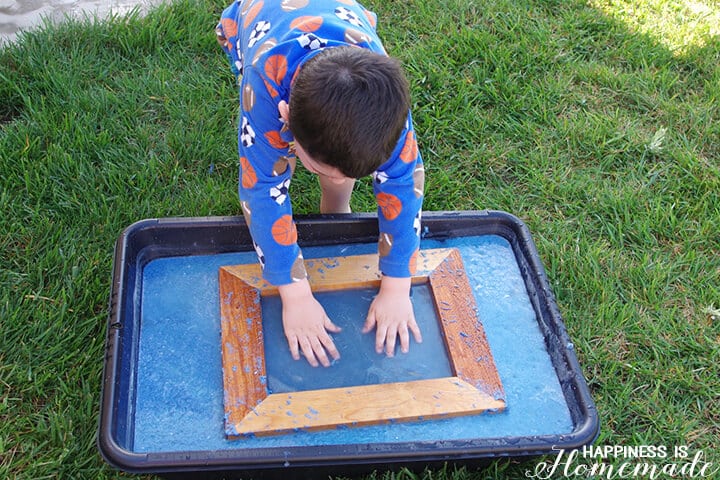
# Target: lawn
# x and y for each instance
(597, 123)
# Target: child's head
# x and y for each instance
(348, 106)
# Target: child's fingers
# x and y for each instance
(307, 351)
(328, 345)
(330, 326)
(404, 340)
(319, 352)
(294, 349)
(413, 326)
(380, 335)
(369, 321)
(390, 338)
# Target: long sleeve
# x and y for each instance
(399, 186)
(265, 176)
(227, 36)
(266, 44)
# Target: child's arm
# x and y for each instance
(391, 314)
(398, 185)
(306, 324)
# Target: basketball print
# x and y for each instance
(247, 173)
(275, 140)
(271, 90)
(284, 231)
(229, 27)
(276, 67)
(372, 18)
(410, 150)
(307, 23)
(412, 265)
(389, 204)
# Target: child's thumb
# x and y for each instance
(330, 326)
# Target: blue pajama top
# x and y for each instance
(267, 41)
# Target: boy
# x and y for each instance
(316, 84)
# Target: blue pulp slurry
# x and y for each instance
(358, 364)
(179, 391)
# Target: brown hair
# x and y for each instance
(348, 106)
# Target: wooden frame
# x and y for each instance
(250, 410)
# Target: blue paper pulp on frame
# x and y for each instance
(178, 394)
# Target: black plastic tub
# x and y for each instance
(146, 241)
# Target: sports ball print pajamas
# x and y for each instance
(267, 42)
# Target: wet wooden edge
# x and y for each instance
(250, 410)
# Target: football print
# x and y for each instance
(290, 5)
(247, 213)
(249, 11)
(354, 37)
(264, 48)
(248, 98)
(385, 244)
(419, 180)
(298, 271)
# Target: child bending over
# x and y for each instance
(316, 85)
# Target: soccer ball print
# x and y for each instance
(348, 16)
(258, 32)
(279, 192)
(311, 42)
(247, 134)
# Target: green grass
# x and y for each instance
(601, 133)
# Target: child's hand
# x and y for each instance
(306, 325)
(391, 313)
